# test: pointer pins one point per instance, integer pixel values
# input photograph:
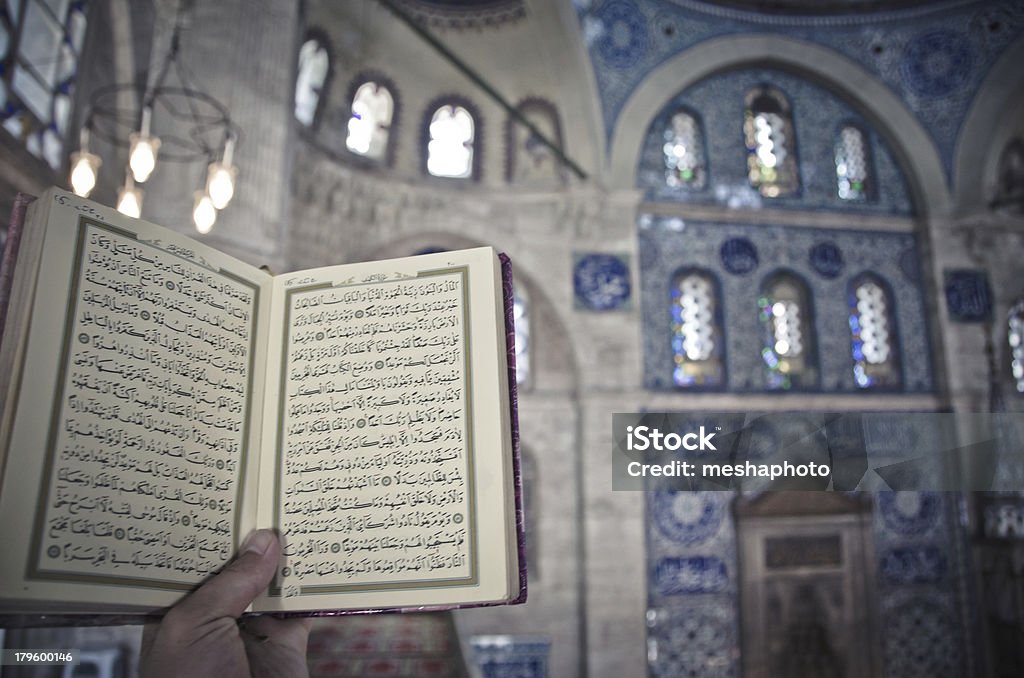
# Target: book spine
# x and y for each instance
(10, 253)
(517, 473)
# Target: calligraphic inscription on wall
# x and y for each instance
(375, 443)
(150, 419)
(810, 551)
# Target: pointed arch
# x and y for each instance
(874, 339)
(789, 340)
(903, 132)
(1015, 339)
(374, 107)
(312, 77)
(770, 138)
(855, 179)
(684, 152)
(452, 138)
(527, 160)
(698, 337)
(991, 122)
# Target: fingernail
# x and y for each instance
(257, 542)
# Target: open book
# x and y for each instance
(161, 399)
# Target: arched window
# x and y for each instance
(1015, 336)
(873, 328)
(697, 341)
(451, 142)
(521, 313)
(789, 345)
(853, 179)
(529, 161)
(684, 152)
(1010, 186)
(771, 143)
(373, 108)
(40, 47)
(314, 66)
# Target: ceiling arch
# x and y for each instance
(992, 121)
(905, 134)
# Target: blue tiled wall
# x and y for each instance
(693, 597)
(693, 613)
(934, 57)
(666, 244)
(817, 117)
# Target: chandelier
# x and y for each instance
(197, 128)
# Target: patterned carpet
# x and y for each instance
(385, 645)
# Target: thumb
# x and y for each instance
(229, 592)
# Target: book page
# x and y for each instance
(388, 471)
(128, 456)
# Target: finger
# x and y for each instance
(277, 647)
(272, 627)
(228, 593)
(290, 633)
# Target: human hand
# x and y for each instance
(200, 637)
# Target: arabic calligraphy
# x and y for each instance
(374, 475)
(151, 420)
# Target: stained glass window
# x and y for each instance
(370, 124)
(788, 347)
(450, 149)
(1015, 336)
(520, 311)
(852, 160)
(40, 47)
(697, 341)
(314, 64)
(771, 144)
(684, 152)
(874, 346)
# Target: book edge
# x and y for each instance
(15, 227)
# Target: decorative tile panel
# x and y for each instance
(827, 259)
(933, 56)
(601, 282)
(693, 573)
(968, 296)
(921, 637)
(914, 565)
(466, 14)
(698, 639)
(511, 656)
(697, 574)
(817, 114)
(919, 541)
(668, 244)
(693, 605)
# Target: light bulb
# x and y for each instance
(129, 200)
(144, 147)
(84, 167)
(204, 214)
(143, 156)
(220, 184)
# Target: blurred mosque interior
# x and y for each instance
(710, 205)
